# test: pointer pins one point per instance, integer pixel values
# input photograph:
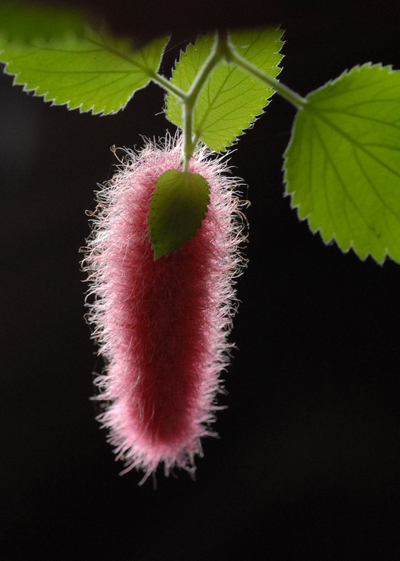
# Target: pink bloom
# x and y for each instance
(162, 325)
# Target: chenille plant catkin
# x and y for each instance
(162, 325)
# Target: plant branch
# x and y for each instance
(189, 104)
(167, 85)
(232, 55)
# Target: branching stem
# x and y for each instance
(190, 102)
(231, 55)
(167, 85)
(222, 49)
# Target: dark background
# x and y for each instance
(307, 466)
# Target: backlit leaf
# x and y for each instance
(177, 208)
(342, 165)
(94, 72)
(231, 99)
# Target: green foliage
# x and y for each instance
(24, 22)
(93, 71)
(342, 165)
(177, 208)
(230, 99)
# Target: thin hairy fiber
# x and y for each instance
(162, 325)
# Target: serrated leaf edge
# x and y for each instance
(54, 102)
(286, 181)
(250, 125)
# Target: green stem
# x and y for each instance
(231, 55)
(192, 95)
(188, 144)
(222, 48)
(167, 85)
(188, 99)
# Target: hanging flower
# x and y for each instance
(162, 325)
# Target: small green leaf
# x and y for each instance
(231, 99)
(95, 72)
(342, 164)
(178, 206)
(24, 22)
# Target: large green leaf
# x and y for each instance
(231, 99)
(91, 72)
(178, 206)
(342, 165)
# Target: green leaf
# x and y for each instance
(178, 206)
(342, 164)
(94, 72)
(231, 99)
(24, 22)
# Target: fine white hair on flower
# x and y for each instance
(162, 325)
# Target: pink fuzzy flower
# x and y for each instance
(162, 325)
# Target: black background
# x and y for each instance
(307, 465)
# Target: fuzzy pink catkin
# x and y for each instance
(162, 325)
